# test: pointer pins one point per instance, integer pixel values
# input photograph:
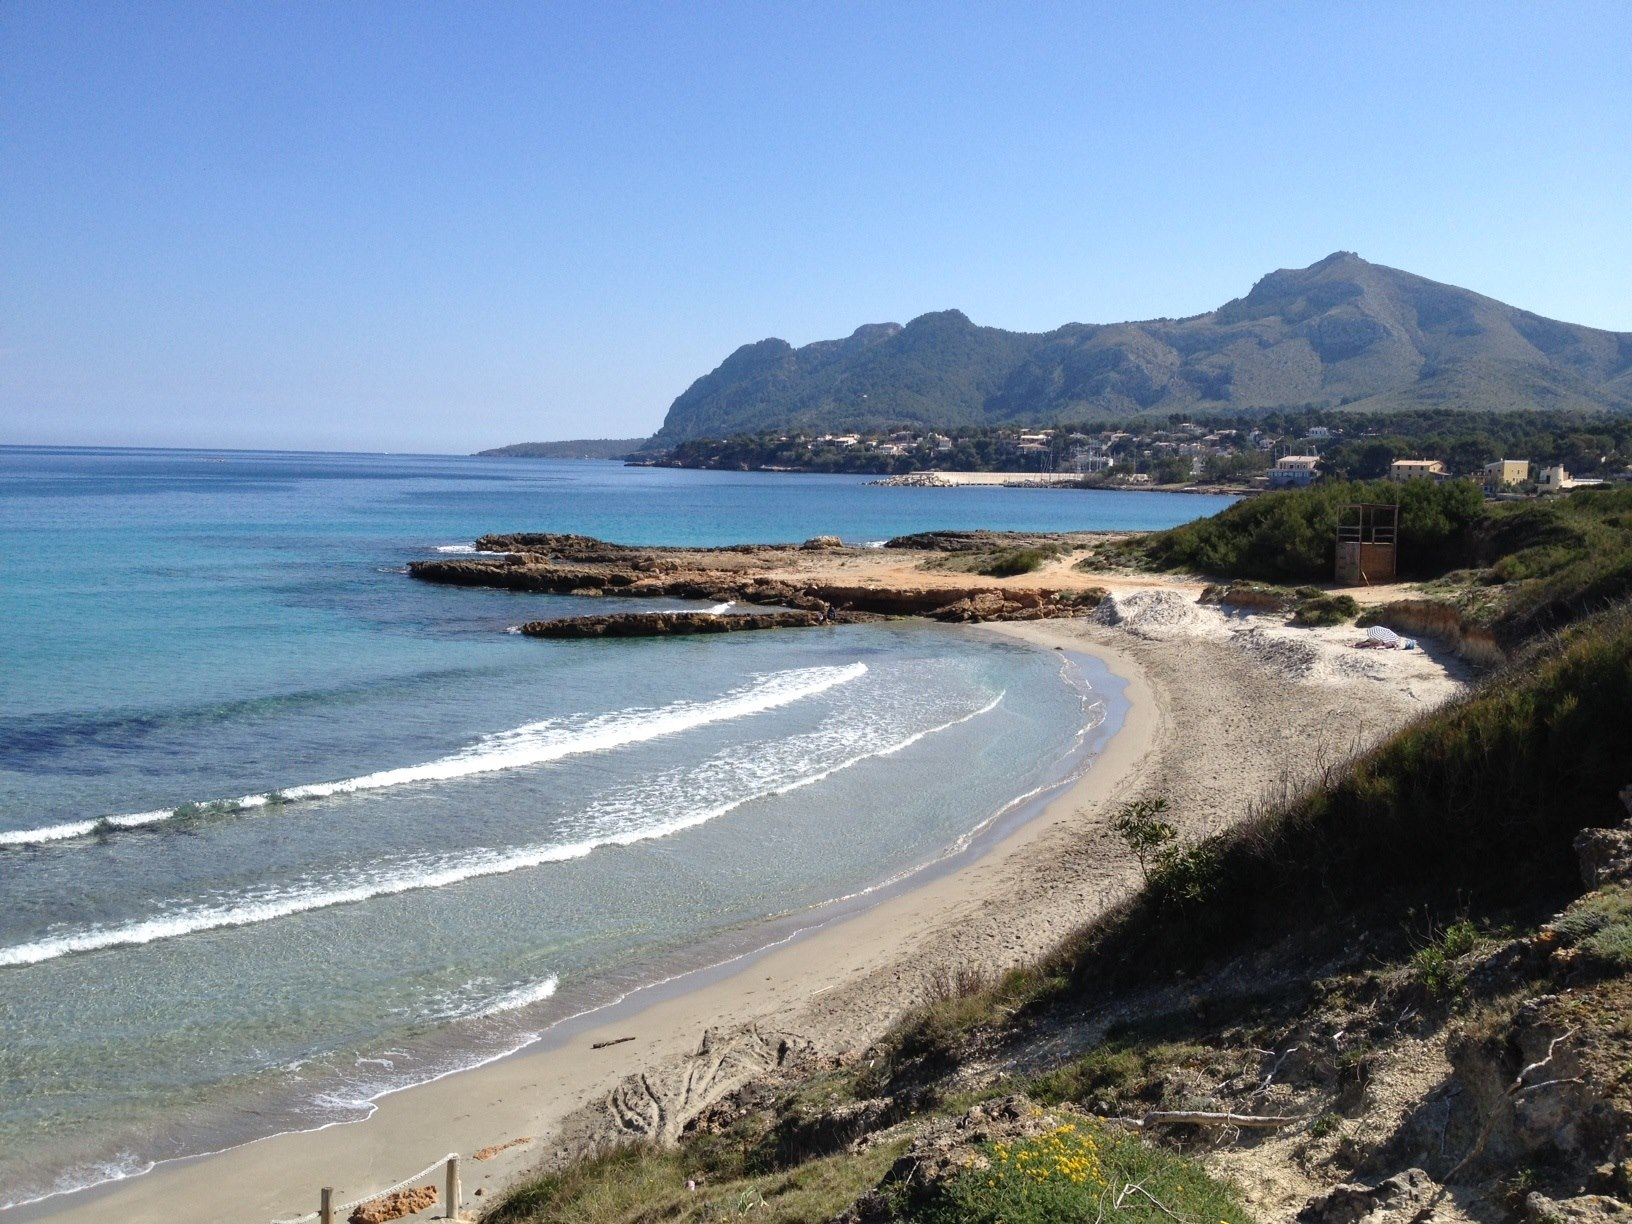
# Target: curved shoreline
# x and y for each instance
(224, 1184)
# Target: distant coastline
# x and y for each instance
(574, 448)
(1033, 480)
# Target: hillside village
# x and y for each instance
(1273, 453)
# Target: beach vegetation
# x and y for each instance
(1179, 871)
(1325, 609)
(1187, 873)
(1010, 562)
(1249, 596)
(1140, 825)
(1520, 568)
(929, 1039)
(1081, 1169)
(1124, 1075)
(1555, 561)
(1291, 536)
(953, 982)
(1471, 808)
(1600, 925)
(1435, 964)
(1000, 562)
(1325, 1124)
(1083, 597)
(696, 1181)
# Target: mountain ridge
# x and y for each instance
(1340, 332)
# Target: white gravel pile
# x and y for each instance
(1149, 614)
(1282, 655)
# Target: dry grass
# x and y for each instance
(633, 1185)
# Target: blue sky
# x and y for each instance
(440, 227)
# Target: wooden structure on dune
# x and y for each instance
(1368, 536)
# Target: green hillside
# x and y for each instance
(1340, 332)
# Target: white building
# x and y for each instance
(1556, 480)
(1293, 471)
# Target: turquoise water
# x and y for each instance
(281, 829)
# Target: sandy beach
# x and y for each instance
(1222, 712)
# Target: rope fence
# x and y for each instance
(329, 1211)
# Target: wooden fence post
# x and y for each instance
(451, 1196)
(325, 1205)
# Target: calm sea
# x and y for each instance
(281, 829)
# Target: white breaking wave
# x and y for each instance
(400, 877)
(119, 1168)
(521, 996)
(84, 828)
(531, 744)
(475, 1000)
(456, 548)
(721, 608)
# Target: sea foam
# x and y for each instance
(757, 778)
(530, 744)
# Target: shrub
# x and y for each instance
(1109, 1078)
(1547, 563)
(1188, 874)
(1435, 963)
(950, 983)
(1326, 1124)
(1559, 560)
(1014, 561)
(1087, 597)
(1102, 1080)
(1600, 924)
(1326, 610)
(1292, 535)
(1612, 946)
(1142, 830)
(1081, 1171)
(642, 1182)
(929, 1039)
